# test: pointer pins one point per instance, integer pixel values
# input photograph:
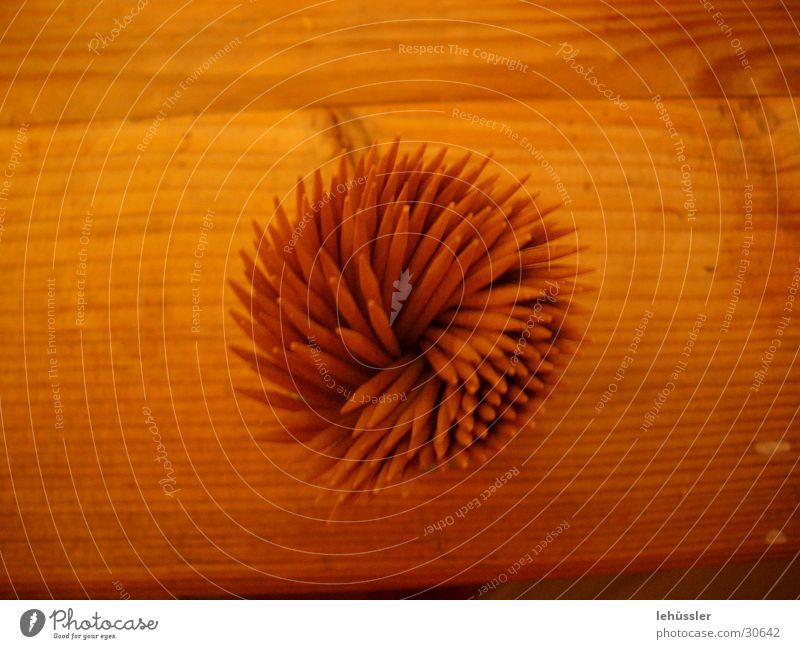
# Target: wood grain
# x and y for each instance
(345, 54)
(713, 479)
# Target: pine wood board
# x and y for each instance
(332, 53)
(713, 480)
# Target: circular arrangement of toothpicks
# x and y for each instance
(407, 316)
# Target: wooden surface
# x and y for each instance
(712, 480)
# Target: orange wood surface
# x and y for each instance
(105, 200)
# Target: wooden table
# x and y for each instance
(132, 149)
